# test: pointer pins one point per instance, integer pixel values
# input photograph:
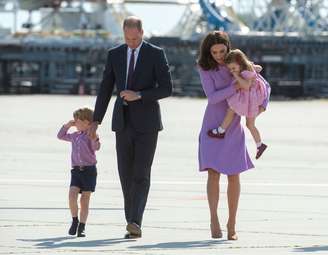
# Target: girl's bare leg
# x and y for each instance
(261, 147)
(227, 119)
(233, 193)
(250, 124)
(213, 191)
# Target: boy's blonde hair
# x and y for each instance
(83, 114)
(238, 57)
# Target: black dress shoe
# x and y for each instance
(134, 229)
(72, 230)
(131, 236)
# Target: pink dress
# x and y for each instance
(247, 102)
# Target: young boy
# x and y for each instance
(84, 172)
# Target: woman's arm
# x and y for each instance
(214, 96)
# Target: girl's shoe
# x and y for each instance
(260, 150)
(215, 133)
(216, 231)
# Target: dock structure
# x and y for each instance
(294, 66)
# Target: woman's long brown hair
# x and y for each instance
(206, 61)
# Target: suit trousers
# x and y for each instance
(135, 152)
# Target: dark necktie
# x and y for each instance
(130, 71)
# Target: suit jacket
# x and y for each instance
(151, 77)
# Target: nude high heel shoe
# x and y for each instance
(231, 235)
(216, 231)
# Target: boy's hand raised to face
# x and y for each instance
(69, 124)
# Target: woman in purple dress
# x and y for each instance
(227, 156)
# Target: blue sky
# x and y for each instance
(155, 17)
(159, 19)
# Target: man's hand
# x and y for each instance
(94, 137)
(129, 95)
(70, 124)
(91, 132)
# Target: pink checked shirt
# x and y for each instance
(83, 148)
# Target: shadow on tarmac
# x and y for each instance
(59, 242)
(313, 248)
(59, 208)
(181, 245)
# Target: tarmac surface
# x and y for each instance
(283, 206)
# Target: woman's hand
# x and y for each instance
(257, 68)
(235, 74)
(241, 86)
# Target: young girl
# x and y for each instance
(84, 172)
(247, 101)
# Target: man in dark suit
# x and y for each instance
(141, 74)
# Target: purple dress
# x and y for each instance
(229, 155)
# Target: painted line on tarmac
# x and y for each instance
(48, 181)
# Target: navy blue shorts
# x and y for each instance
(84, 178)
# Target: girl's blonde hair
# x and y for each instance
(238, 57)
(83, 114)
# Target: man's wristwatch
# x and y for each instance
(139, 95)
